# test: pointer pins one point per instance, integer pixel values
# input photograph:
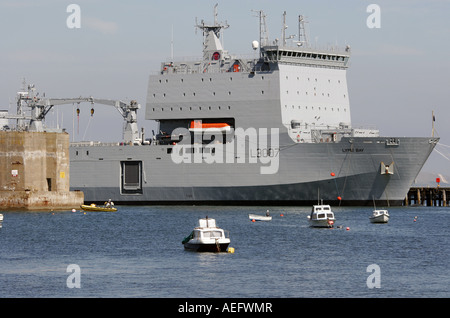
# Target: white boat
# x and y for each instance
(207, 237)
(321, 216)
(1, 217)
(257, 217)
(379, 216)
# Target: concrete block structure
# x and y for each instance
(34, 171)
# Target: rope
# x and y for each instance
(441, 144)
(217, 245)
(85, 131)
(441, 154)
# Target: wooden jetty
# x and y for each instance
(429, 196)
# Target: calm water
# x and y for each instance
(137, 252)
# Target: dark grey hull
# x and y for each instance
(292, 194)
(214, 248)
(304, 175)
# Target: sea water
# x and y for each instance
(137, 252)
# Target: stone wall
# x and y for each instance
(34, 171)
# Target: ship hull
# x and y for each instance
(214, 248)
(343, 174)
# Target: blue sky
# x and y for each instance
(398, 74)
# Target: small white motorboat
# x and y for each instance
(379, 216)
(321, 216)
(257, 217)
(1, 217)
(207, 237)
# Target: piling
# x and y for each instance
(428, 196)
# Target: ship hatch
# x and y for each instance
(131, 173)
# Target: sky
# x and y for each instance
(399, 71)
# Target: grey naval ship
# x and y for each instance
(270, 128)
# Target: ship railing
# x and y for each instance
(318, 49)
(199, 59)
(110, 144)
(93, 144)
(191, 65)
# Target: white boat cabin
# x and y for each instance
(207, 229)
(380, 213)
(321, 212)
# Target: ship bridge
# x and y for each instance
(332, 58)
(301, 90)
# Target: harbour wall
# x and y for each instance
(34, 171)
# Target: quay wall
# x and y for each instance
(34, 171)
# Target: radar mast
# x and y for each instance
(212, 47)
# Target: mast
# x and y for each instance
(302, 37)
(263, 32)
(283, 30)
(212, 47)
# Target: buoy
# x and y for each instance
(73, 210)
(281, 214)
(332, 174)
(339, 198)
(347, 228)
(253, 220)
(230, 250)
(415, 220)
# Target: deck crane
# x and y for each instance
(40, 106)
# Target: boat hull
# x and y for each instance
(379, 219)
(303, 169)
(205, 247)
(259, 217)
(321, 223)
(97, 209)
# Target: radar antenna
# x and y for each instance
(212, 46)
(216, 27)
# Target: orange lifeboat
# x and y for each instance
(209, 127)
